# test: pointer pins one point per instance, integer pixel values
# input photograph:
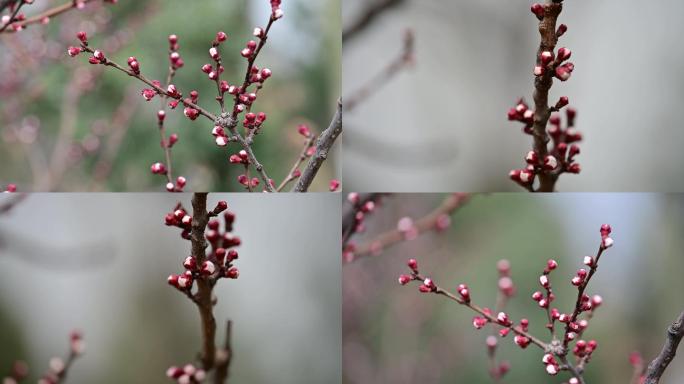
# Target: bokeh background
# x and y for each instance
(91, 130)
(94, 262)
(443, 127)
(395, 334)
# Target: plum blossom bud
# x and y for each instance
(334, 185)
(413, 264)
(479, 322)
(532, 158)
(588, 261)
(521, 341)
(546, 57)
(81, 35)
(213, 52)
(405, 279)
(561, 30)
(503, 319)
(464, 292)
(552, 369)
(538, 10)
(158, 169)
(221, 36)
(208, 268)
(544, 281)
(551, 264)
(232, 273)
(258, 32)
(73, 51)
(562, 102)
(550, 163)
(607, 242)
(564, 54)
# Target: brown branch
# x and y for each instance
(200, 218)
(657, 367)
(403, 60)
(224, 357)
(426, 223)
(370, 14)
(580, 293)
(323, 145)
(542, 85)
(443, 292)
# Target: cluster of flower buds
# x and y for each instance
(189, 111)
(186, 375)
(247, 182)
(239, 158)
(361, 210)
(564, 148)
(218, 261)
(276, 11)
(9, 188)
(57, 366)
(175, 59)
(574, 326)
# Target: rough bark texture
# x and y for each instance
(200, 217)
(657, 367)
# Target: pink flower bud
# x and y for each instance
(405, 279)
(562, 102)
(574, 168)
(544, 281)
(503, 319)
(246, 53)
(213, 52)
(532, 158)
(221, 36)
(208, 268)
(334, 185)
(479, 322)
(73, 51)
(464, 292)
(561, 30)
(546, 57)
(550, 163)
(607, 242)
(81, 35)
(232, 273)
(413, 264)
(538, 10)
(258, 32)
(605, 230)
(521, 341)
(191, 113)
(158, 169)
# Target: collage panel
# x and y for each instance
(159, 95)
(438, 92)
(512, 288)
(107, 288)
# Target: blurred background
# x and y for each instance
(395, 334)
(93, 262)
(442, 126)
(66, 125)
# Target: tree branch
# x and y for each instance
(370, 14)
(200, 218)
(657, 367)
(323, 145)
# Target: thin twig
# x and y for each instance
(224, 357)
(52, 12)
(404, 60)
(300, 159)
(14, 14)
(426, 223)
(370, 14)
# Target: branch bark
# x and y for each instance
(323, 145)
(542, 85)
(657, 367)
(200, 218)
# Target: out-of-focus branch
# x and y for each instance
(369, 14)
(224, 357)
(323, 146)
(45, 16)
(657, 367)
(294, 171)
(404, 60)
(425, 224)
